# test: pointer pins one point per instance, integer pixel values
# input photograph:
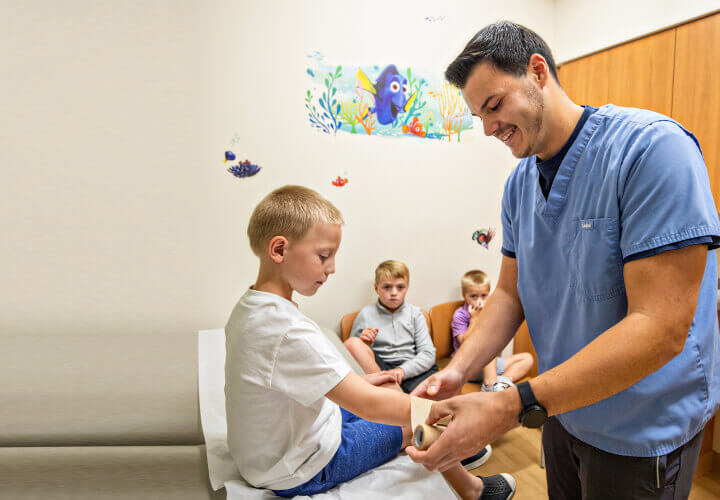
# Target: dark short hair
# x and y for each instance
(507, 45)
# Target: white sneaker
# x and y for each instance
(502, 384)
(478, 459)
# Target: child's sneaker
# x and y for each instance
(498, 487)
(478, 459)
(502, 384)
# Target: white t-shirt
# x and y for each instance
(282, 430)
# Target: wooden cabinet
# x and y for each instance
(696, 93)
(641, 73)
(638, 74)
(586, 80)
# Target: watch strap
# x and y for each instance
(527, 396)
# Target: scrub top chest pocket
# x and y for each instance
(594, 257)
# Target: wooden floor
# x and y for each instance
(518, 453)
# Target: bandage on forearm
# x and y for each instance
(424, 435)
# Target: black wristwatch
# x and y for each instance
(533, 415)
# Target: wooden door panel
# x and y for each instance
(696, 93)
(641, 73)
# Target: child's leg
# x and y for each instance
(363, 354)
(465, 484)
(364, 445)
(365, 357)
(518, 365)
(490, 373)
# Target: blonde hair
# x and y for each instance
(475, 277)
(393, 269)
(289, 211)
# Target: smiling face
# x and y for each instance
(511, 108)
(308, 262)
(391, 292)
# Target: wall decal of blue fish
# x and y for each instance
(229, 156)
(244, 169)
(390, 93)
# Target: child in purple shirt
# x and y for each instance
(501, 371)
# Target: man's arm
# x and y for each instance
(662, 293)
(377, 404)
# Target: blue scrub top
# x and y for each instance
(632, 181)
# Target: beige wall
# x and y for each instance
(584, 26)
(118, 217)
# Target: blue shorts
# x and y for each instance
(364, 445)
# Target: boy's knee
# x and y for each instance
(526, 358)
(353, 343)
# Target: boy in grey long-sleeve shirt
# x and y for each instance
(391, 335)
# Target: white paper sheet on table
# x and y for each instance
(400, 478)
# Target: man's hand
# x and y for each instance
(398, 374)
(380, 378)
(476, 420)
(444, 384)
(368, 335)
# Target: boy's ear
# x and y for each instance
(277, 247)
(375, 286)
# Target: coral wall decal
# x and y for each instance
(383, 99)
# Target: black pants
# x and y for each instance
(409, 384)
(576, 470)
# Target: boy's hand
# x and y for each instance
(398, 373)
(368, 335)
(380, 378)
(474, 310)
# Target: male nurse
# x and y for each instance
(609, 238)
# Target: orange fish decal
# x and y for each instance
(339, 182)
(414, 128)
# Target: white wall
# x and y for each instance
(117, 214)
(585, 26)
(106, 225)
(417, 201)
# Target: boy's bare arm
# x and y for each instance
(377, 404)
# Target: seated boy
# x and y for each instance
(392, 335)
(285, 382)
(500, 373)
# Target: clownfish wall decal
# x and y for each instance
(244, 169)
(414, 128)
(339, 182)
(390, 93)
(483, 237)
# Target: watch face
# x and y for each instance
(534, 417)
